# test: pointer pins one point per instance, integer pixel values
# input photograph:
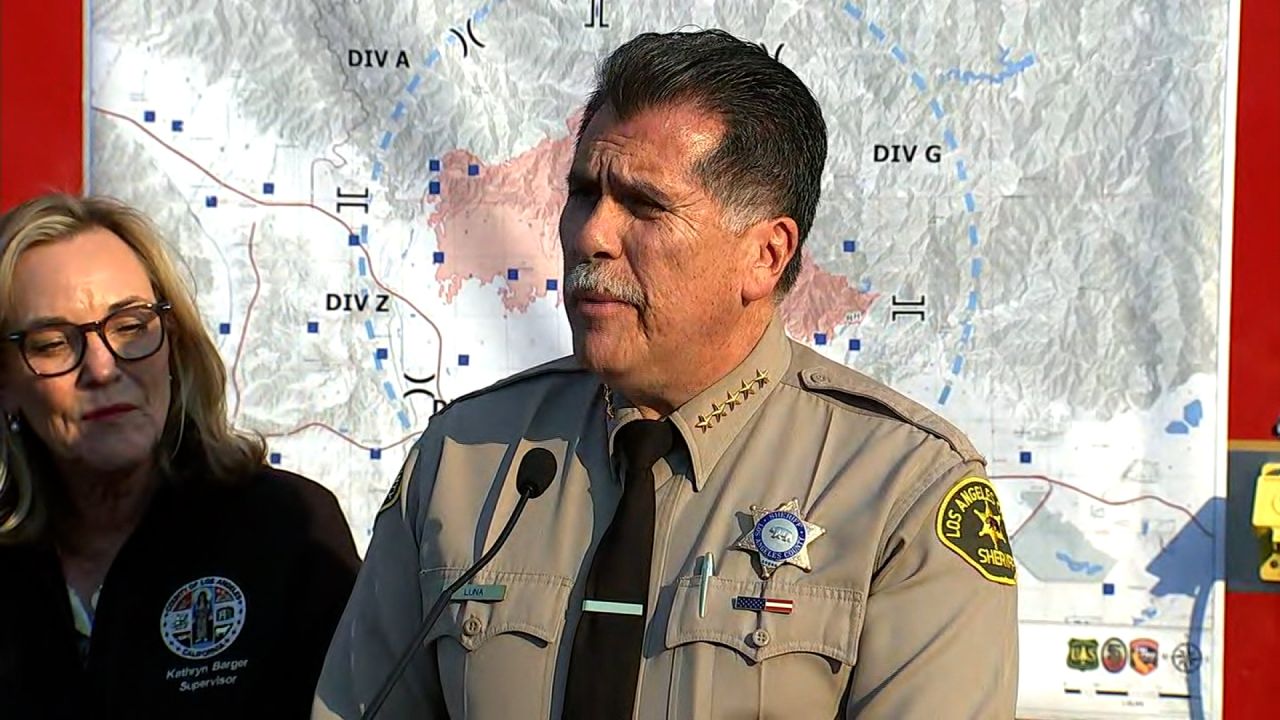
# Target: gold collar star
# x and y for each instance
(762, 378)
(780, 537)
(734, 400)
(746, 389)
(718, 412)
(704, 423)
(608, 401)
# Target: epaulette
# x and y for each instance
(858, 389)
(565, 364)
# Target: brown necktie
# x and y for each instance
(606, 648)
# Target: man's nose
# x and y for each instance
(596, 233)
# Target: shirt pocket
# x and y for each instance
(747, 664)
(497, 659)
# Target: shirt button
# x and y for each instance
(760, 638)
(472, 626)
(820, 378)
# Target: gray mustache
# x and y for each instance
(594, 278)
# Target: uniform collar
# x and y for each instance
(713, 418)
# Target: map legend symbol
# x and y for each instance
(344, 200)
(916, 308)
(597, 15)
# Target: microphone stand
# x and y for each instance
(438, 608)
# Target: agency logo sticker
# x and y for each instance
(1082, 654)
(1144, 655)
(1186, 658)
(203, 618)
(1114, 655)
(971, 524)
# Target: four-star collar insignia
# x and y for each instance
(733, 398)
(780, 537)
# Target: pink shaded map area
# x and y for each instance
(505, 218)
(820, 301)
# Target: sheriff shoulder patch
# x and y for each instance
(402, 479)
(971, 524)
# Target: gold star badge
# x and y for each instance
(762, 378)
(703, 424)
(780, 537)
(746, 389)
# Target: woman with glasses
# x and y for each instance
(151, 563)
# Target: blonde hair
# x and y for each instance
(197, 432)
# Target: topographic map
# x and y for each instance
(1021, 227)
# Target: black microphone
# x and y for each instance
(537, 470)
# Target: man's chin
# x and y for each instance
(603, 353)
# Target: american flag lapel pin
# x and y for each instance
(764, 604)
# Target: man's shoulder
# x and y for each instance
(531, 384)
(857, 393)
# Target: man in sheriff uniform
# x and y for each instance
(737, 526)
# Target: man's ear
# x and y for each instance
(770, 245)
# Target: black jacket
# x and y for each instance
(220, 605)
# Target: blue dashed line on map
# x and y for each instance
(413, 84)
(404, 419)
(377, 170)
(364, 269)
(368, 328)
(391, 392)
(386, 140)
(377, 360)
(948, 135)
(433, 57)
(364, 239)
(398, 112)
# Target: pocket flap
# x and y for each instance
(533, 604)
(824, 620)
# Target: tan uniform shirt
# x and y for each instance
(907, 610)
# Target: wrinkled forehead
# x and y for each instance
(662, 143)
(76, 279)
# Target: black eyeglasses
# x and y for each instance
(130, 333)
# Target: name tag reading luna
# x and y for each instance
(480, 593)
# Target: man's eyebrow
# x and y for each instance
(59, 320)
(640, 186)
(631, 187)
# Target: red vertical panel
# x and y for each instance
(1252, 633)
(1255, 292)
(41, 98)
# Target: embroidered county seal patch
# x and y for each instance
(203, 618)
